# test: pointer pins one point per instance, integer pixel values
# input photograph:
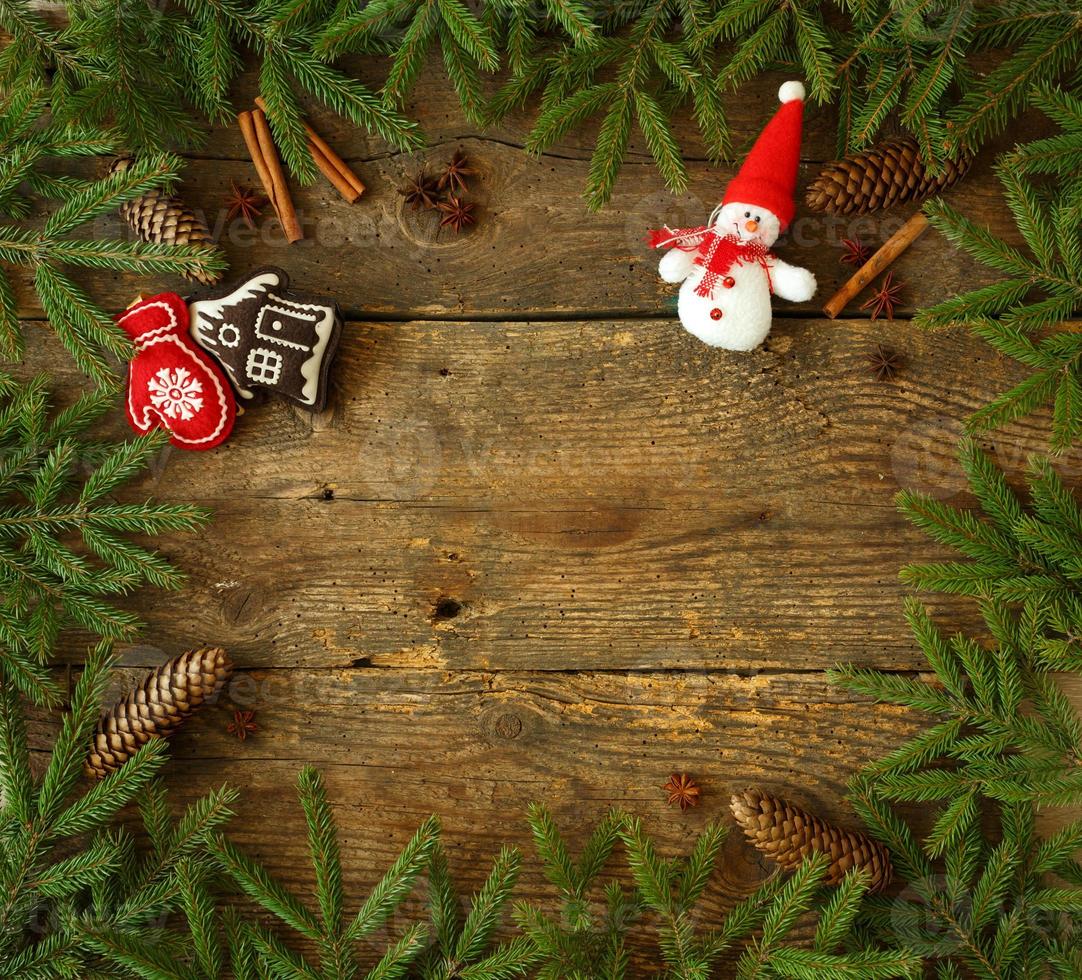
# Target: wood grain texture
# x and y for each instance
(535, 251)
(544, 545)
(435, 107)
(582, 742)
(581, 495)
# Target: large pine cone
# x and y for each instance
(157, 707)
(888, 173)
(157, 216)
(788, 834)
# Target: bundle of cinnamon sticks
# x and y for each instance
(257, 137)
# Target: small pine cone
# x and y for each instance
(157, 707)
(158, 216)
(888, 173)
(787, 835)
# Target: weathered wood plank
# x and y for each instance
(581, 742)
(481, 561)
(536, 250)
(581, 495)
(477, 748)
(549, 504)
(434, 105)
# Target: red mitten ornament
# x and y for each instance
(172, 384)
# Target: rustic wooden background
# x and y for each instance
(543, 544)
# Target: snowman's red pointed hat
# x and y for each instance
(768, 177)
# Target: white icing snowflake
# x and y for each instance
(176, 393)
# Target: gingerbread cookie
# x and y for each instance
(267, 337)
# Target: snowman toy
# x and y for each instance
(726, 266)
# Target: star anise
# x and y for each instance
(454, 175)
(856, 252)
(457, 213)
(421, 191)
(243, 724)
(245, 202)
(884, 362)
(682, 790)
(885, 297)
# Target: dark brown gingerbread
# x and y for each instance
(267, 337)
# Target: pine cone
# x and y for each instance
(787, 835)
(888, 173)
(157, 707)
(158, 216)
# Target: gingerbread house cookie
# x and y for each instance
(267, 337)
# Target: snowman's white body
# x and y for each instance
(738, 315)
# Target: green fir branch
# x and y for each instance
(51, 496)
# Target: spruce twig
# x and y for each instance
(334, 937)
(49, 501)
(64, 859)
(44, 250)
(656, 65)
(1005, 739)
(1008, 314)
(463, 947)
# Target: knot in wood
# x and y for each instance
(508, 726)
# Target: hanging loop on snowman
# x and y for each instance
(726, 266)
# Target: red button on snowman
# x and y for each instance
(726, 267)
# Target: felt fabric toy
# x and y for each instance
(726, 266)
(266, 336)
(172, 384)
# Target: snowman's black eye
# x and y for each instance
(747, 214)
(757, 218)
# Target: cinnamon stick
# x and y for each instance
(283, 203)
(888, 252)
(328, 169)
(316, 142)
(247, 130)
(333, 167)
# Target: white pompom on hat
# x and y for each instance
(791, 92)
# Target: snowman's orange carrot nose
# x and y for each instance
(752, 225)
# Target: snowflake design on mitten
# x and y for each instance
(176, 393)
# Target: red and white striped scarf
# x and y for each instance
(718, 253)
